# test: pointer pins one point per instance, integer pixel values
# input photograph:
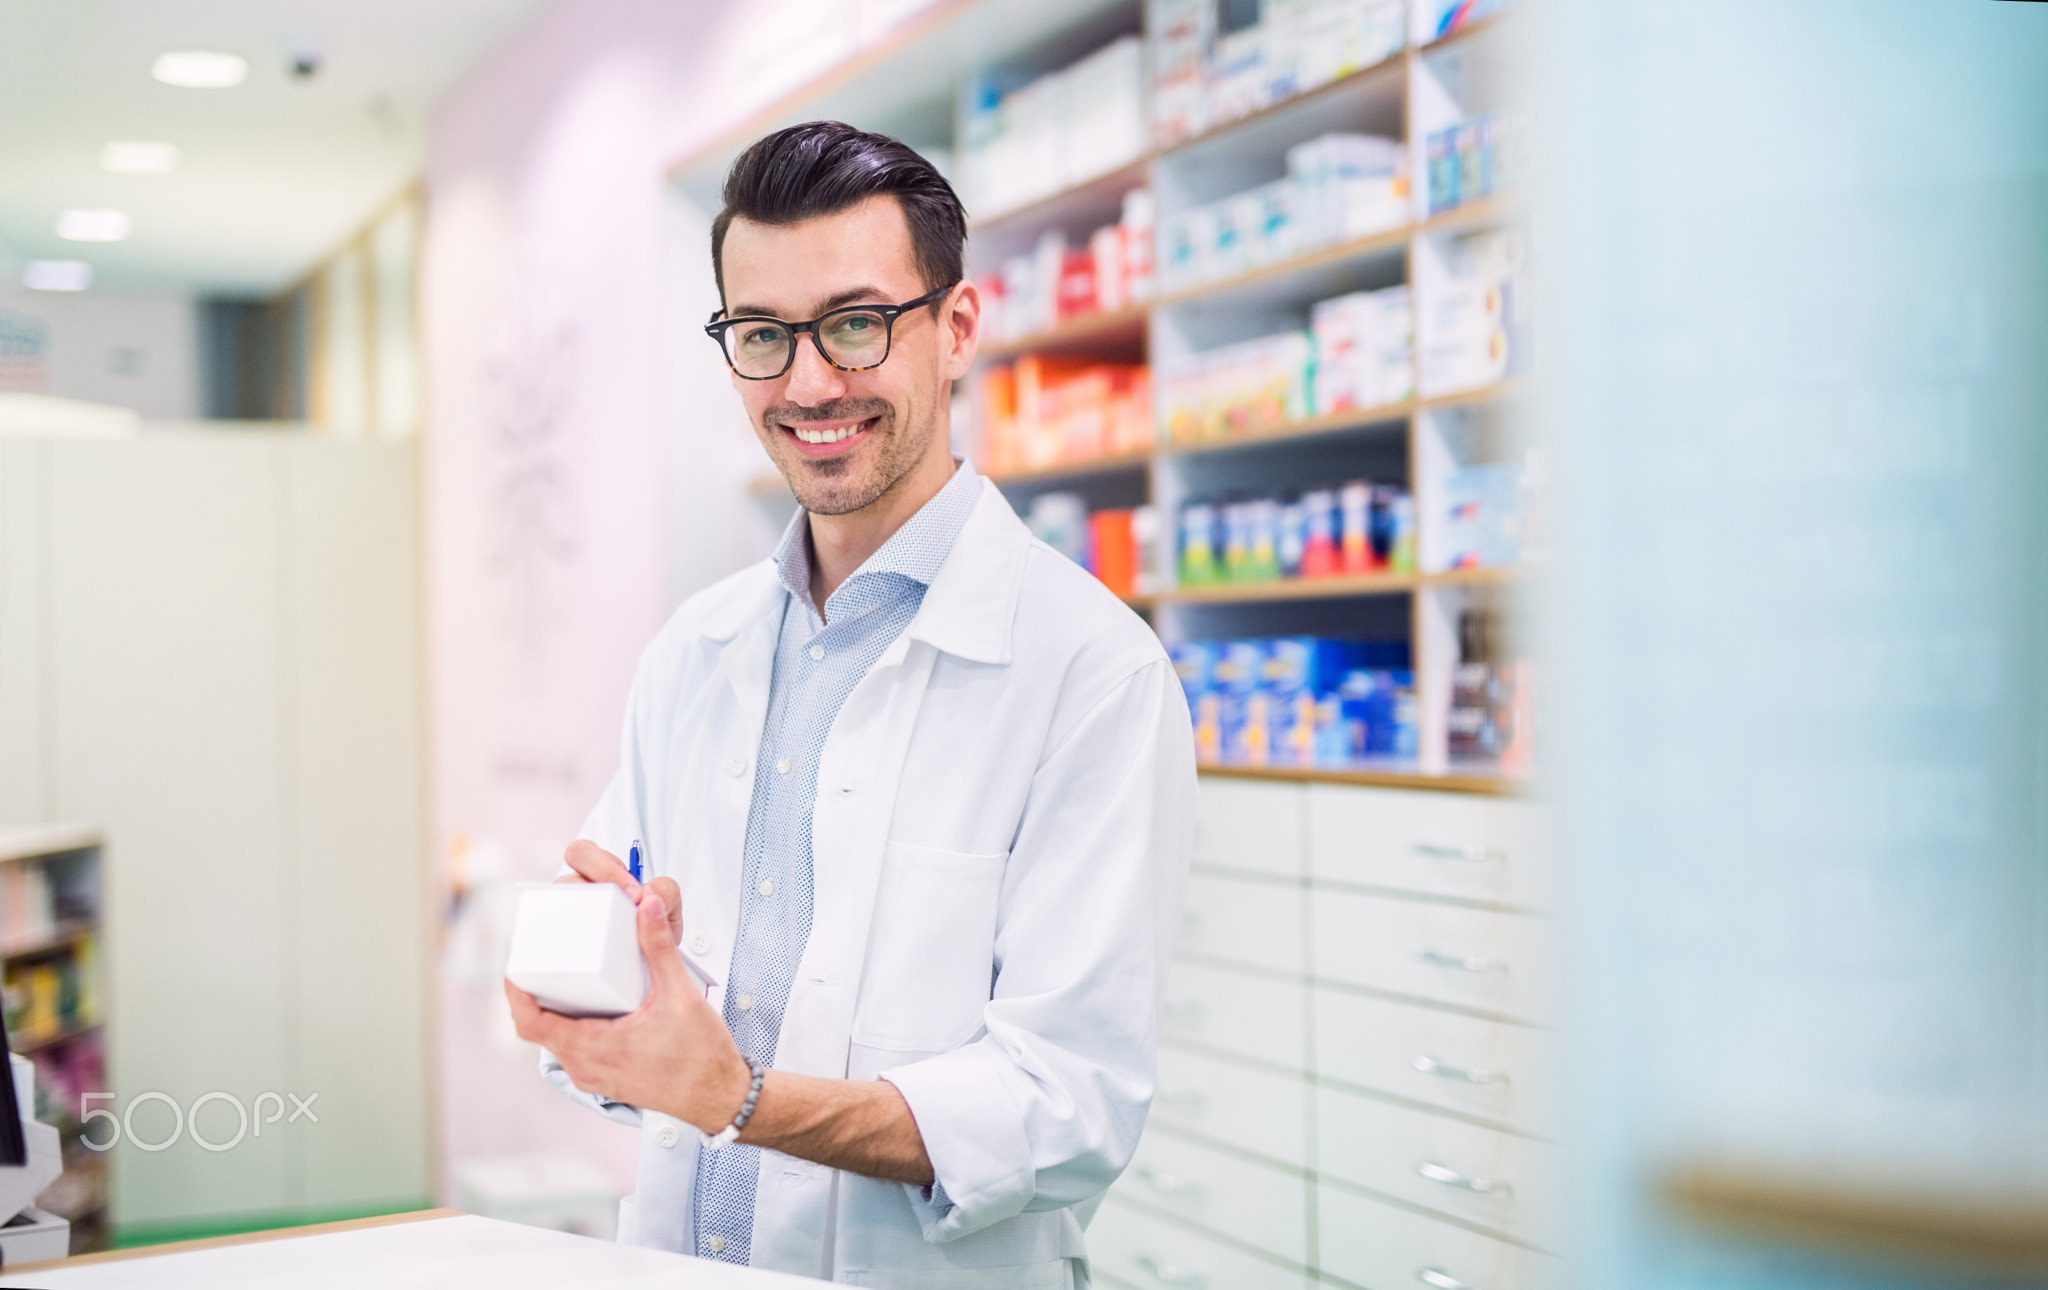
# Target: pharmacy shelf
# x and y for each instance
(1290, 432)
(1119, 328)
(62, 938)
(1470, 31)
(1114, 463)
(1390, 242)
(1447, 782)
(26, 1046)
(1345, 586)
(1096, 193)
(1350, 82)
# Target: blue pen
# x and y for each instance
(633, 860)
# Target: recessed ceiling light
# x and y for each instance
(56, 275)
(94, 226)
(200, 69)
(138, 157)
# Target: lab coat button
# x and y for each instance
(734, 766)
(700, 944)
(817, 653)
(717, 1245)
(668, 1136)
(782, 766)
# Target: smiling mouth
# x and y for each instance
(827, 438)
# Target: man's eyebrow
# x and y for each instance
(862, 294)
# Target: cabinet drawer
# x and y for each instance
(1245, 921)
(1130, 1248)
(1497, 1180)
(1474, 958)
(1377, 1245)
(1251, 1016)
(1256, 1110)
(1246, 824)
(1442, 844)
(1263, 1207)
(1487, 1068)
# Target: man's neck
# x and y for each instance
(840, 544)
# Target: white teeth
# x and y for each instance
(824, 436)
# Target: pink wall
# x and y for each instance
(585, 463)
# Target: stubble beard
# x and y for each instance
(843, 485)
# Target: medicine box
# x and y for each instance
(575, 949)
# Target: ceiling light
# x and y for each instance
(137, 157)
(57, 275)
(94, 226)
(200, 69)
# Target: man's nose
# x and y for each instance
(812, 380)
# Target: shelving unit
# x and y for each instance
(1334, 915)
(50, 885)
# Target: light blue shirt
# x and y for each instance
(818, 661)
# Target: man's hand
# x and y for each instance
(672, 1054)
(593, 863)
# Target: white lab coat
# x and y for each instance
(1000, 848)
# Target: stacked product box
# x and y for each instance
(1033, 139)
(1365, 350)
(1299, 701)
(1338, 187)
(1057, 281)
(1435, 19)
(1472, 160)
(1492, 708)
(1043, 411)
(1358, 528)
(1118, 545)
(1472, 314)
(1358, 353)
(1206, 77)
(1493, 514)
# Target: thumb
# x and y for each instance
(665, 969)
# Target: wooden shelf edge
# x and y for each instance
(1332, 588)
(23, 1047)
(1470, 31)
(28, 842)
(1350, 79)
(1356, 248)
(1286, 431)
(1925, 1221)
(60, 937)
(1073, 331)
(1025, 212)
(1444, 782)
(1103, 465)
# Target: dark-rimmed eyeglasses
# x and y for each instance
(852, 339)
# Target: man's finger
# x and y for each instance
(593, 863)
(671, 896)
(529, 1019)
(665, 970)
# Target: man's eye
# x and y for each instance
(762, 336)
(856, 323)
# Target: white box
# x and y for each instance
(576, 950)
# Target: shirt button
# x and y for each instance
(718, 1245)
(668, 1136)
(767, 887)
(735, 767)
(700, 944)
(817, 653)
(782, 766)
(746, 1002)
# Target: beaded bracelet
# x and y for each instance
(739, 1122)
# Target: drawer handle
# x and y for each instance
(1172, 1274)
(1440, 1279)
(1444, 1070)
(1170, 1184)
(1440, 851)
(1462, 962)
(1450, 1177)
(1185, 1013)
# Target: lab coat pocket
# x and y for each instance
(931, 950)
(629, 1231)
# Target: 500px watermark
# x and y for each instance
(186, 1121)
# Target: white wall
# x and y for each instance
(133, 353)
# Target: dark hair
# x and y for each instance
(824, 167)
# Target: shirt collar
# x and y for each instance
(914, 551)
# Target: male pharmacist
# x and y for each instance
(916, 790)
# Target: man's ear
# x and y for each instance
(962, 321)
